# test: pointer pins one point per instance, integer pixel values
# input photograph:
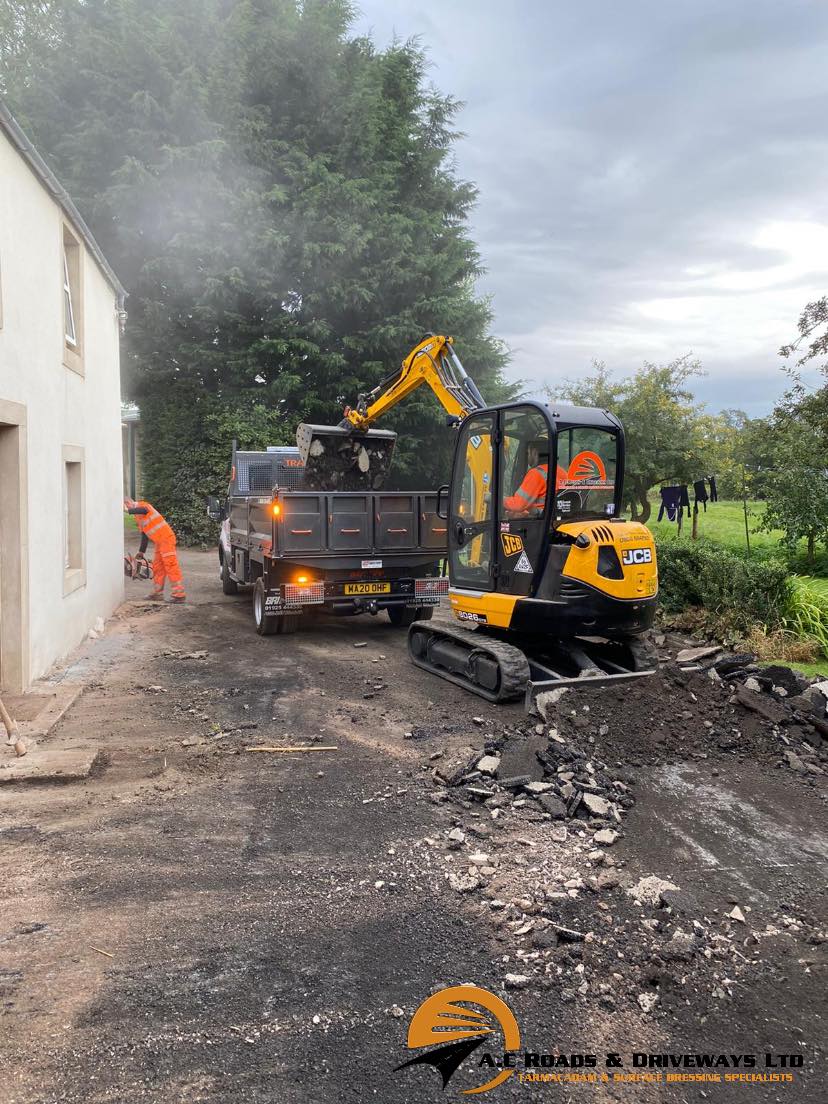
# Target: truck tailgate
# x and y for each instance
(357, 523)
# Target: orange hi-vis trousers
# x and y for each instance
(165, 566)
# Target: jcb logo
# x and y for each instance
(637, 556)
(511, 544)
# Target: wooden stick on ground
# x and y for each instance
(10, 725)
(312, 747)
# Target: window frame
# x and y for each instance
(68, 309)
(72, 299)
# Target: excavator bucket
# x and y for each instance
(342, 458)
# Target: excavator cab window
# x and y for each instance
(524, 491)
(524, 463)
(585, 474)
(471, 517)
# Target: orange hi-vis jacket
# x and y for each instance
(152, 524)
(531, 494)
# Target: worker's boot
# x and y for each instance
(156, 596)
(179, 598)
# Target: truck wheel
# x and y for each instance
(288, 623)
(266, 624)
(228, 584)
(403, 616)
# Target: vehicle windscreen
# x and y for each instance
(585, 473)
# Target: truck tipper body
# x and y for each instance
(340, 552)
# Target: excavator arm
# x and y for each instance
(434, 362)
(353, 455)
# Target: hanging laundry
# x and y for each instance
(671, 503)
(714, 494)
(700, 493)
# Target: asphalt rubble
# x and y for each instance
(536, 811)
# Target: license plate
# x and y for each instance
(367, 588)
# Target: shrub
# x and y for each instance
(806, 614)
(187, 453)
(732, 590)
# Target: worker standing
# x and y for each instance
(165, 562)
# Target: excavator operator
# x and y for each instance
(530, 497)
(165, 562)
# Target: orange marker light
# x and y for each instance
(277, 509)
(302, 579)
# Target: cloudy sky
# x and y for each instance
(653, 175)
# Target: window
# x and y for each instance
(74, 536)
(585, 476)
(471, 523)
(72, 285)
(68, 311)
(524, 466)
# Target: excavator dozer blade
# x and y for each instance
(338, 458)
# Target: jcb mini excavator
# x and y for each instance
(550, 584)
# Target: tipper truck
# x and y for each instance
(303, 549)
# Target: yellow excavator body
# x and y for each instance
(557, 586)
(632, 542)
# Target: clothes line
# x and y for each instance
(675, 498)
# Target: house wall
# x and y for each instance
(71, 413)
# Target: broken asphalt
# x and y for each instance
(195, 922)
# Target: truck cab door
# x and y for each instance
(471, 511)
(526, 479)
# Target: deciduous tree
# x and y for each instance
(669, 438)
(796, 492)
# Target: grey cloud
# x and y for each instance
(616, 147)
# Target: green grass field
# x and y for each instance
(724, 523)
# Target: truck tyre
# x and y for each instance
(228, 584)
(403, 616)
(266, 624)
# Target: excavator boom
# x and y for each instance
(353, 455)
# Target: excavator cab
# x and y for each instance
(539, 554)
(523, 477)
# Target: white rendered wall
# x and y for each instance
(67, 413)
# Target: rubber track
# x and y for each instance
(512, 663)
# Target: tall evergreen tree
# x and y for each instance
(279, 200)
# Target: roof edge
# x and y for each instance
(50, 182)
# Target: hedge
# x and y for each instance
(186, 440)
(740, 591)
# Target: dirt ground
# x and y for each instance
(195, 922)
